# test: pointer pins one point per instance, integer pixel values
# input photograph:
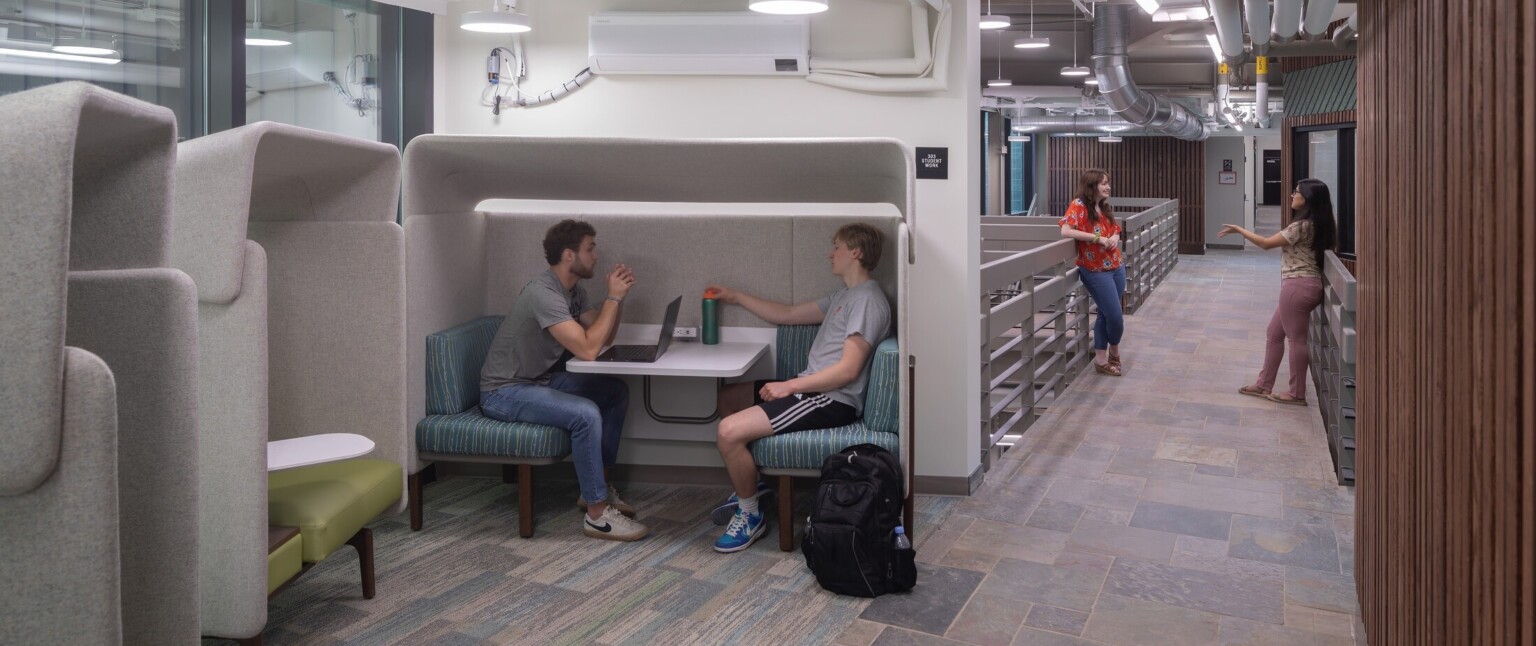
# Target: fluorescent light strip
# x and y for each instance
(1215, 47)
(55, 56)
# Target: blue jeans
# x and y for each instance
(1105, 288)
(583, 404)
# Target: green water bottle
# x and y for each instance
(711, 325)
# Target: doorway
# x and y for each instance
(1269, 189)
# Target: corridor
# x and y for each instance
(1158, 508)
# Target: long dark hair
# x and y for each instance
(1318, 209)
(1088, 192)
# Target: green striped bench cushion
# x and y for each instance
(470, 433)
(807, 449)
(454, 359)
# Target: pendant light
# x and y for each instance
(999, 81)
(788, 7)
(1074, 69)
(1032, 42)
(85, 44)
(259, 37)
(496, 21)
(994, 21)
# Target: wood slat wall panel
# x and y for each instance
(1138, 167)
(1446, 523)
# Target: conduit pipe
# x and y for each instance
(1319, 14)
(936, 81)
(922, 52)
(1110, 64)
(1287, 20)
(1258, 24)
(1342, 37)
(1227, 14)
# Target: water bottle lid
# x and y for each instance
(901, 530)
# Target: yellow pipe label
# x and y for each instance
(1223, 69)
(1263, 64)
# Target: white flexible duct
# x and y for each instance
(938, 81)
(1227, 14)
(1258, 24)
(1319, 14)
(922, 53)
(1287, 20)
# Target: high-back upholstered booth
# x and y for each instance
(464, 264)
(58, 472)
(126, 306)
(290, 235)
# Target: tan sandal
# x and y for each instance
(1254, 391)
(1108, 369)
(1114, 360)
(1286, 399)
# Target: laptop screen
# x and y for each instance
(668, 322)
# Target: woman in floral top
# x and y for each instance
(1312, 234)
(1090, 222)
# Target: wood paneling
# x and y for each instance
(1447, 446)
(1287, 178)
(1290, 64)
(1138, 167)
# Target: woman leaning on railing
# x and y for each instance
(1090, 221)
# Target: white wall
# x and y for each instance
(945, 281)
(1224, 203)
(318, 106)
(997, 147)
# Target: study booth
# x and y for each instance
(752, 214)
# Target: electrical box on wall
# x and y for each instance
(713, 43)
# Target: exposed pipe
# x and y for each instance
(1227, 14)
(1111, 66)
(1261, 92)
(1344, 35)
(1319, 14)
(938, 81)
(1258, 24)
(922, 52)
(1287, 20)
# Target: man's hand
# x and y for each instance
(776, 390)
(620, 280)
(722, 294)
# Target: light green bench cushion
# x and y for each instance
(470, 433)
(807, 449)
(285, 562)
(330, 502)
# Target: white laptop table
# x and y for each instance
(316, 449)
(722, 360)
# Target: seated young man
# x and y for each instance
(524, 378)
(828, 394)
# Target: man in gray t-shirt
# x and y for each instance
(828, 394)
(524, 378)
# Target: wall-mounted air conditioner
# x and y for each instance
(721, 43)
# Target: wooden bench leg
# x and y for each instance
(525, 500)
(363, 541)
(251, 641)
(415, 494)
(786, 513)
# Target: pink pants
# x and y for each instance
(1297, 298)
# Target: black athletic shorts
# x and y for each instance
(803, 411)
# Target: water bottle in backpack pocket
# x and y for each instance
(850, 543)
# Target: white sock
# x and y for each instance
(749, 505)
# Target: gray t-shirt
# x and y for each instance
(861, 309)
(524, 351)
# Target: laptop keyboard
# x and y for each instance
(632, 352)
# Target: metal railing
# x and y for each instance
(1035, 313)
(1332, 345)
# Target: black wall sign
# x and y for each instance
(933, 163)
(1226, 164)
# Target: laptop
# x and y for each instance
(646, 353)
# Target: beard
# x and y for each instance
(584, 273)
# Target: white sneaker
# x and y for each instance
(613, 501)
(613, 526)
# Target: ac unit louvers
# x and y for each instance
(719, 43)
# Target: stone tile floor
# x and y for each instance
(1158, 508)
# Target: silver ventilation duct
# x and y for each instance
(1143, 109)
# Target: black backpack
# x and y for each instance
(850, 538)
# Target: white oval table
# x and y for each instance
(316, 449)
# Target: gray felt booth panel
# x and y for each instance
(462, 264)
(290, 235)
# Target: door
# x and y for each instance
(1271, 190)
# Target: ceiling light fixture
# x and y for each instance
(1148, 6)
(1210, 37)
(1092, 80)
(85, 44)
(114, 59)
(1110, 139)
(257, 36)
(994, 21)
(1179, 11)
(497, 20)
(1023, 128)
(788, 7)
(1074, 69)
(1032, 42)
(999, 81)
(1018, 139)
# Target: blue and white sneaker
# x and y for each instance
(743, 530)
(722, 513)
